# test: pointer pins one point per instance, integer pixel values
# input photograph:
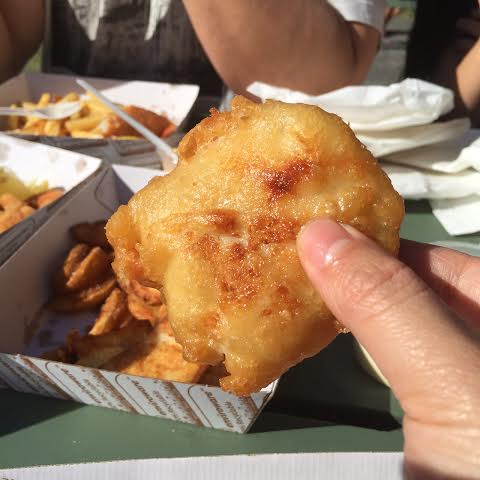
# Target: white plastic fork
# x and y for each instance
(165, 152)
(54, 111)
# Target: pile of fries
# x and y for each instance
(93, 120)
(131, 333)
(18, 201)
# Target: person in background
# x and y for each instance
(308, 45)
(444, 48)
(391, 13)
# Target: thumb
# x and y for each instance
(408, 331)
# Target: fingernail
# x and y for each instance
(318, 241)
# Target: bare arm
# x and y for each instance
(468, 84)
(21, 31)
(460, 66)
(302, 44)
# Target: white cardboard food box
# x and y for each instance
(292, 466)
(172, 100)
(25, 325)
(33, 163)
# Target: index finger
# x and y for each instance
(453, 275)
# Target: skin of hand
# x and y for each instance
(421, 328)
(21, 31)
(460, 65)
(303, 45)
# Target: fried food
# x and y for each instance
(91, 233)
(94, 120)
(131, 333)
(19, 200)
(83, 267)
(216, 237)
(12, 211)
(86, 299)
(43, 199)
(114, 126)
(160, 356)
(96, 350)
(143, 311)
(113, 315)
(84, 280)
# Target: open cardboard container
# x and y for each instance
(172, 100)
(26, 327)
(34, 163)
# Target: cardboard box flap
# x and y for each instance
(27, 328)
(174, 101)
(292, 466)
(35, 163)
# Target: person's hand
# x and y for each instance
(417, 335)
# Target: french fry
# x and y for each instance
(93, 120)
(96, 350)
(13, 122)
(29, 105)
(85, 299)
(141, 311)
(53, 128)
(113, 314)
(69, 97)
(158, 356)
(12, 211)
(96, 105)
(131, 334)
(82, 269)
(87, 134)
(83, 124)
(91, 234)
(42, 199)
(44, 100)
(34, 123)
(74, 257)
(93, 267)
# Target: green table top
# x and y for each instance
(325, 404)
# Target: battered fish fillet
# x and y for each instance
(217, 236)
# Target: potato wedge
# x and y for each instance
(96, 350)
(84, 299)
(113, 314)
(91, 233)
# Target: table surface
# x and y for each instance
(325, 404)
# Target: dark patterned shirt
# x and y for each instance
(127, 39)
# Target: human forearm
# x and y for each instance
(305, 45)
(468, 84)
(21, 30)
(7, 58)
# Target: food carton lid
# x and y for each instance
(172, 100)
(35, 163)
(23, 323)
(305, 466)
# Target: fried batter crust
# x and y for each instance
(216, 236)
